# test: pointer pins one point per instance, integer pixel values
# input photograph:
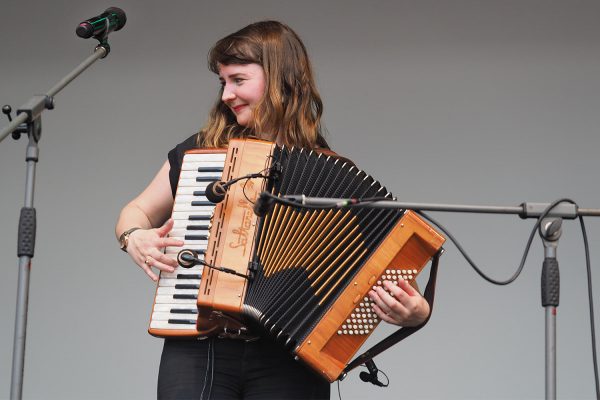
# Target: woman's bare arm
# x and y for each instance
(150, 212)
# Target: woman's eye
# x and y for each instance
(238, 81)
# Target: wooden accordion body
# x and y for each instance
(310, 270)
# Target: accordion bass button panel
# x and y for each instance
(175, 312)
(365, 308)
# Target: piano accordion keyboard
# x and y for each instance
(175, 311)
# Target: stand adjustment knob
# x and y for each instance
(6, 110)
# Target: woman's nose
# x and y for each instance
(227, 95)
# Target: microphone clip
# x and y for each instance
(275, 171)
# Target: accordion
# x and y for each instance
(302, 276)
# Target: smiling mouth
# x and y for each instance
(237, 109)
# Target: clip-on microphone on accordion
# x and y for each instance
(215, 191)
(263, 204)
(187, 258)
(371, 376)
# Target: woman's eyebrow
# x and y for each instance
(234, 75)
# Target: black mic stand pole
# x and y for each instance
(549, 230)
(28, 121)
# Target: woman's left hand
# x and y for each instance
(403, 305)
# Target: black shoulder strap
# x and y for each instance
(403, 332)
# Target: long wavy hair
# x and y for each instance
(291, 108)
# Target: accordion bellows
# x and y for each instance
(310, 269)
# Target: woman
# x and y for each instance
(268, 92)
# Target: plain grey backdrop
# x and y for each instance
(476, 102)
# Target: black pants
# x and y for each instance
(234, 369)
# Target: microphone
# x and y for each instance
(263, 204)
(110, 20)
(371, 376)
(216, 191)
(187, 258)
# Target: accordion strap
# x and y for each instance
(403, 332)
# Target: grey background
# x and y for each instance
(478, 102)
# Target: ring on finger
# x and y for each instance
(147, 260)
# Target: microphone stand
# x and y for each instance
(29, 121)
(549, 230)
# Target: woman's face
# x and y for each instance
(243, 88)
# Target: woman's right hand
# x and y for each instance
(145, 246)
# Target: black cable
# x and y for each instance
(212, 368)
(387, 379)
(591, 301)
(188, 258)
(208, 367)
(525, 252)
(248, 180)
(472, 263)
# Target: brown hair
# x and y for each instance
(291, 107)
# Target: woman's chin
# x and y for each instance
(243, 120)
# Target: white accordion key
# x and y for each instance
(175, 281)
